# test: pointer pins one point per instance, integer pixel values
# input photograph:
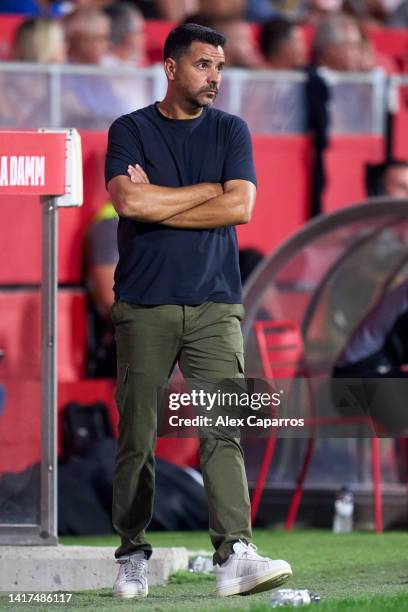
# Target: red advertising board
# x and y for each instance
(32, 163)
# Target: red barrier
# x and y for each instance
(20, 329)
(345, 164)
(283, 166)
(283, 169)
(281, 208)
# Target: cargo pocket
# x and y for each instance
(122, 388)
(240, 363)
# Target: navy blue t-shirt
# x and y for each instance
(163, 265)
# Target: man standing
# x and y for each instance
(181, 175)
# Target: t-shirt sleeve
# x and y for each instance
(124, 148)
(239, 161)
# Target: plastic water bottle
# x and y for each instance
(293, 597)
(343, 512)
(201, 565)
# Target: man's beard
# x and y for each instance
(199, 102)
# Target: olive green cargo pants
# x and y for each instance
(207, 342)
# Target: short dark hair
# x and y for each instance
(375, 175)
(396, 163)
(275, 31)
(180, 39)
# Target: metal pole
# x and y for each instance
(49, 293)
(55, 96)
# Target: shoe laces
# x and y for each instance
(134, 569)
(249, 550)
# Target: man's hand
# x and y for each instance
(233, 207)
(137, 174)
(134, 197)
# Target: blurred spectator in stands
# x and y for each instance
(200, 19)
(258, 11)
(39, 40)
(92, 101)
(319, 10)
(395, 179)
(175, 10)
(180, 10)
(368, 57)
(337, 44)
(170, 10)
(127, 36)
(283, 45)
(399, 17)
(100, 5)
(278, 105)
(388, 179)
(87, 32)
(34, 8)
(223, 9)
(241, 50)
(25, 95)
(368, 12)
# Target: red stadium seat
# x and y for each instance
(392, 43)
(280, 346)
(8, 25)
(156, 34)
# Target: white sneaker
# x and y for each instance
(132, 577)
(246, 572)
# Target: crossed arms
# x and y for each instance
(201, 206)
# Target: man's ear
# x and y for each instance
(170, 68)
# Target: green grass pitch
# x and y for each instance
(361, 572)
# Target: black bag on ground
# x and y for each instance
(83, 426)
(85, 494)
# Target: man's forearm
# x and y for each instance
(227, 209)
(154, 204)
